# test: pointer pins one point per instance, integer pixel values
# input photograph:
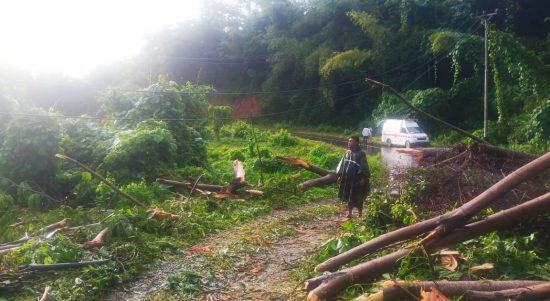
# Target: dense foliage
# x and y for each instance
(310, 57)
(136, 241)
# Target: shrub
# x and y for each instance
(283, 138)
(28, 151)
(319, 150)
(6, 201)
(240, 129)
(144, 153)
(329, 161)
(236, 155)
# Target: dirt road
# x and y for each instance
(256, 261)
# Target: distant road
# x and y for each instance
(340, 142)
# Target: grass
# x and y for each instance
(136, 242)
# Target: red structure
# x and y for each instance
(242, 108)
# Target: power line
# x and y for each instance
(239, 93)
(167, 119)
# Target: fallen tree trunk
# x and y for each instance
(449, 220)
(65, 265)
(328, 177)
(535, 292)
(401, 290)
(322, 181)
(102, 179)
(305, 165)
(230, 190)
(209, 187)
(326, 286)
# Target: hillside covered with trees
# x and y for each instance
(149, 121)
(310, 59)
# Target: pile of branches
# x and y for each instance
(12, 279)
(432, 235)
(221, 191)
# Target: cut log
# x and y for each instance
(238, 182)
(102, 179)
(330, 285)
(234, 185)
(97, 241)
(209, 187)
(447, 221)
(322, 181)
(305, 165)
(535, 292)
(396, 291)
(65, 265)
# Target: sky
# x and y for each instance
(72, 37)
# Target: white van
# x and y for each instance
(404, 132)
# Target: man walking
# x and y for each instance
(353, 176)
(367, 133)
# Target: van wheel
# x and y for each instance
(407, 144)
(388, 143)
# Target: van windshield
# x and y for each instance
(414, 130)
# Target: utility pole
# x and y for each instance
(486, 16)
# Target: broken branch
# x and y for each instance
(64, 265)
(208, 187)
(535, 292)
(448, 288)
(450, 220)
(102, 179)
(97, 241)
(305, 165)
(330, 285)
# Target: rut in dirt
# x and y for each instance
(256, 261)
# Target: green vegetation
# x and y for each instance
(138, 154)
(305, 62)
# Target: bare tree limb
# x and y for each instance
(102, 179)
(65, 265)
(305, 165)
(187, 185)
(447, 221)
(448, 288)
(323, 287)
(535, 292)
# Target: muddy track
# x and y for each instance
(250, 262)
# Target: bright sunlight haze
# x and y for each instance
(73, 37)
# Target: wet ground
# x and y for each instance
(251, 262)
